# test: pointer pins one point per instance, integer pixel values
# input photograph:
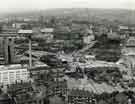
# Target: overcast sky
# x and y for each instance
(23, 5)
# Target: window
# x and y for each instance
(18, 75)
(5, 78)
(11, 77)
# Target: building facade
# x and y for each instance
(13, 73)
(7, 50)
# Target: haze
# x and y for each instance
(24, 5)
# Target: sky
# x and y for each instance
(24, 5)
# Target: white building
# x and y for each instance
(47, 30)
(47, 33)
(11, 73)
(88, 37)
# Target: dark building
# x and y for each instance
(107, 49)
(77, 96)
(7, 52)
(72, 39)
(2, 61)
(4, 99)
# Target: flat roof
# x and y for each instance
(47, 30)
(92, 64)
(91, 86)
(25, 32)
(12, 67)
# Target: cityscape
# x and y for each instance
(68, 56)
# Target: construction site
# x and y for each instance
(63, 62)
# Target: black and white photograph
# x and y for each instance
(67, 52)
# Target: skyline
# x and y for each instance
(31, 5)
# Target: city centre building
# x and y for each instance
(10, 74)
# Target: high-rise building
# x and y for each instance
(7, 52)
(2, 61)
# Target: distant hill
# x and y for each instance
(111, 15)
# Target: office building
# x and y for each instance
(9, 51)
(2, 59)
(13, 73)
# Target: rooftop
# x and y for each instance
(123, 27)
(39, 54)
(131, 41)
(93, 63)
(12, 67)
(47, 30)
(25, 32)
(64, 29)
(91, 86)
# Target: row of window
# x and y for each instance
(12, 76)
